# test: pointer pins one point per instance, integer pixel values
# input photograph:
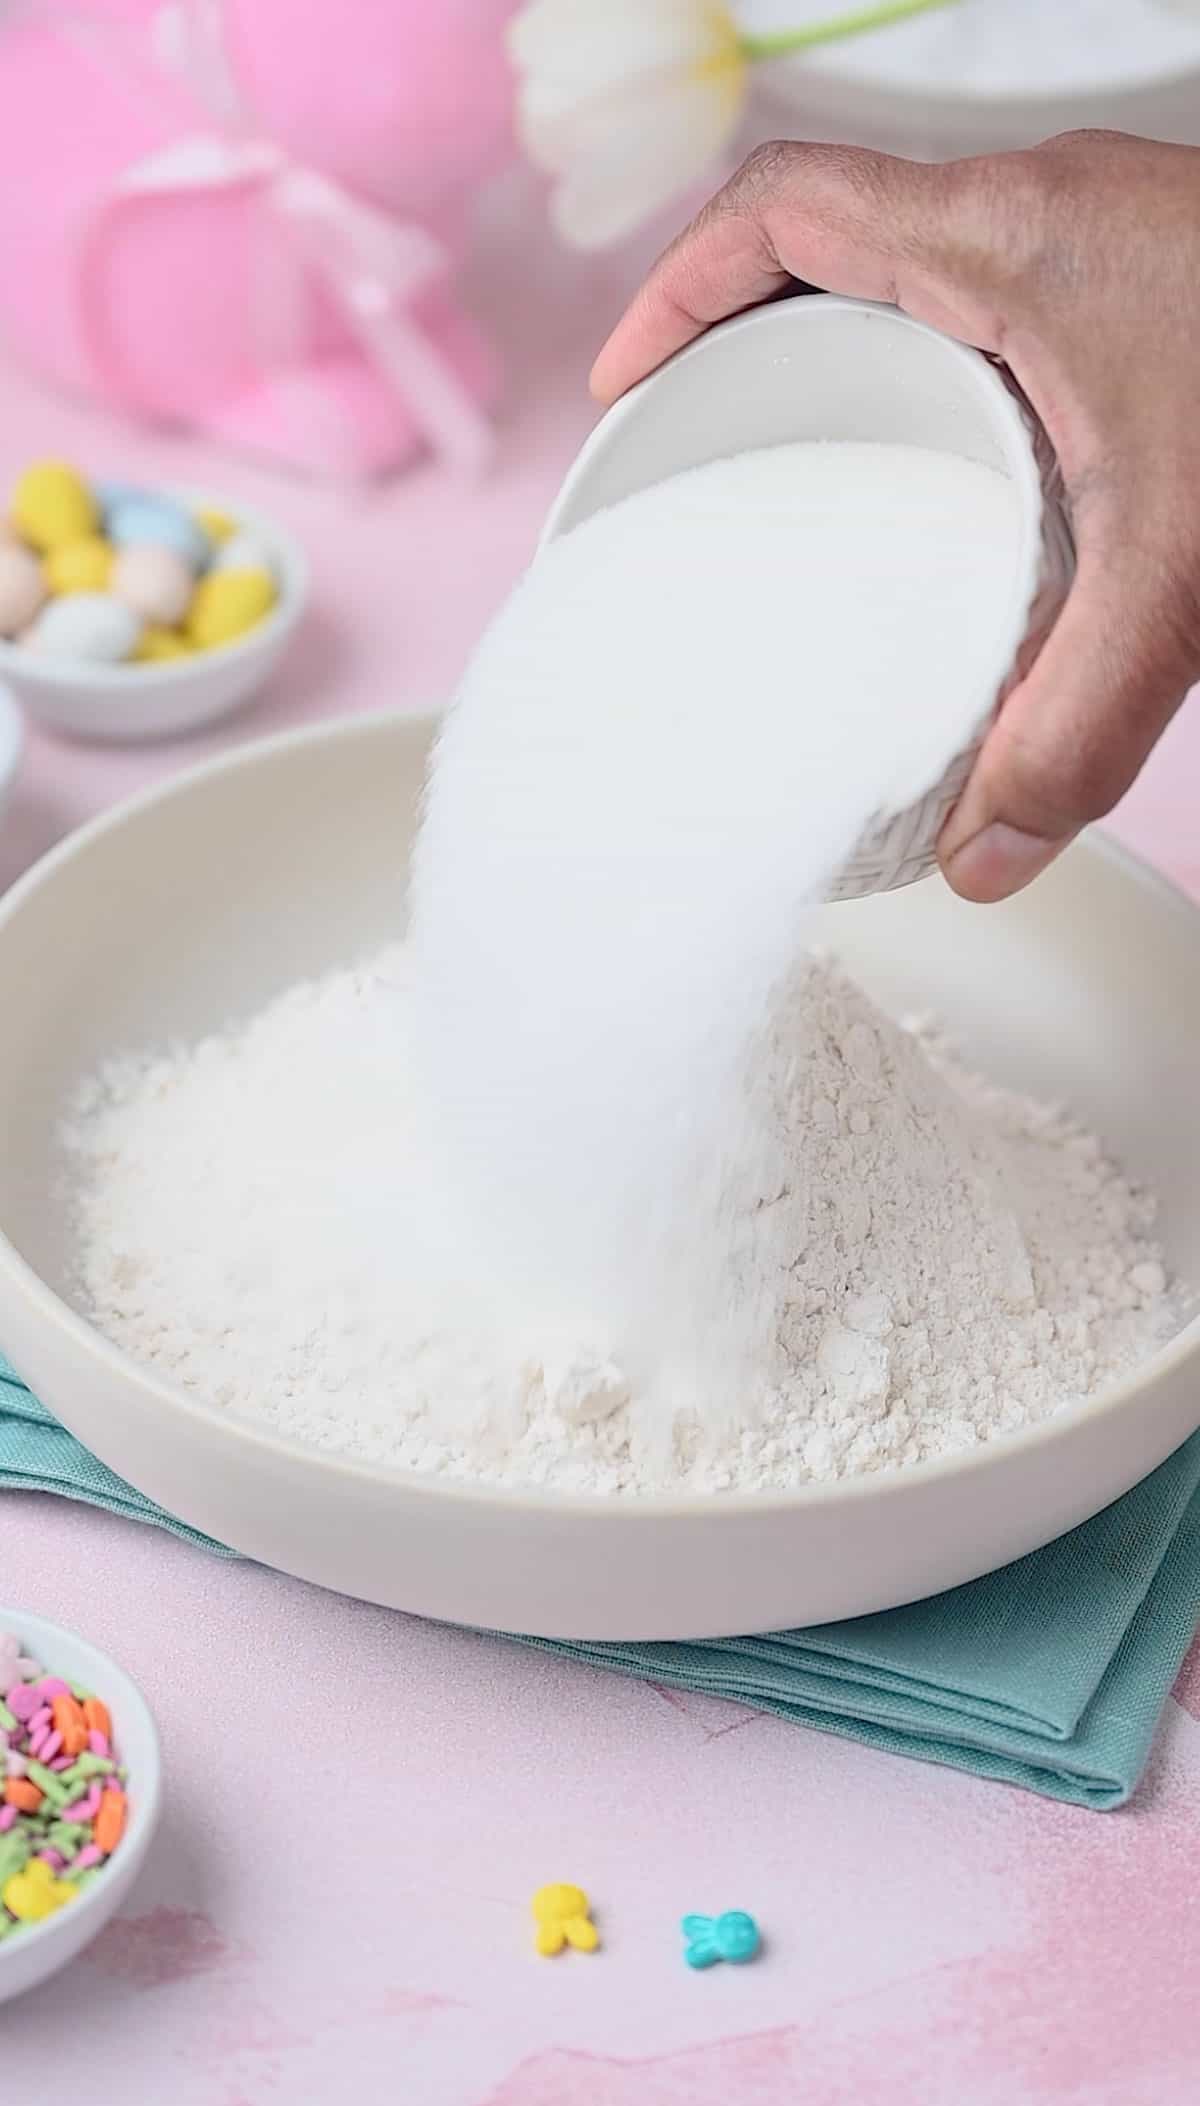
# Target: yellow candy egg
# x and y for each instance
(217, 525)
(226, 603)
(154, 646)
(51, 505)
(79, 566)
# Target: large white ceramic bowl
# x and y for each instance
(32, 1955)
(130, 703)
(197, 903)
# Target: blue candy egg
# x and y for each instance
(142, 521)
(111, 495)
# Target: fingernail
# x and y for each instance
(998, 860)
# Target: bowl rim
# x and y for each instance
(882, 1485)
(294, 579)
(146, 1797)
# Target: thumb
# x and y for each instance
(1071, 738)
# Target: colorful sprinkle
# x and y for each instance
(733, 1936)
(563, 1917)
(63, 1806)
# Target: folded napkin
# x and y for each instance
(1051, 1673)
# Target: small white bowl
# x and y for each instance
(816, 368)
(32, 1955)
(120, 704)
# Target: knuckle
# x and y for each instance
(762, 174)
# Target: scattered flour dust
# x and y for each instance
(950, 1260)
(598, 1179)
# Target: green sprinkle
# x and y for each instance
(67, 1836)
(90, 1766)
(79, 1693)
(7, 1718)
(50, 1786)
(14, 1855)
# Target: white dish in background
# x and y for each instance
(983, 76)
(129, 703)
(32, 1955)
(1085, 988)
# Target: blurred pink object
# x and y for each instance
(245, 216)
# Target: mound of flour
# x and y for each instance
(932, 1260)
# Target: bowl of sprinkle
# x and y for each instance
(129, 613)
(80, 1792)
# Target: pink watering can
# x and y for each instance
(245, 216)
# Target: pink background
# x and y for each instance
(358, 1807)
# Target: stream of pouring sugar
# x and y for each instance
(670, 738)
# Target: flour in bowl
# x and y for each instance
(598, 1179)
(946, 1260)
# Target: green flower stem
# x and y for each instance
(779, 42)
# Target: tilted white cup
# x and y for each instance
(819, 367)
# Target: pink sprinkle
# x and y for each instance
(37, 1742)
(51, 1747)
(8, 1815)
(51, 1686)
(79, 1810)
(53, 1858)
(14, 1764)
(98, 1744)
(22, 1700)
(90, 1855)
(62, 1762)
(41, 1719)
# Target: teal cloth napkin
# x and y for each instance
(1051, 1673)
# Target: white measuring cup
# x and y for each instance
(820, 367)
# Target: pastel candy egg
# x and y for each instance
(226, 603)
(110, 494)
(155, 582)
(79, 566)
(157, 522)
(22, 587)
(155, 646)
(52, 504)
(244, 551)
(219, 526)
(90, 625)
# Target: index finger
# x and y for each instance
(854, 222)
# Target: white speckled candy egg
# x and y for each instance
(88, 625)
(244, 551)
(22, 587)
(155, 582)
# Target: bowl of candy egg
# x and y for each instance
(131, 613)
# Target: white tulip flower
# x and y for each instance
(626, 103)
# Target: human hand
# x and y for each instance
(1079, 263)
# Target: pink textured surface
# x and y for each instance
(358, 1807)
